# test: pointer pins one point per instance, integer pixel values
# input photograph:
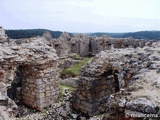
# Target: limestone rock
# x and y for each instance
(122, 102)
(142, 105)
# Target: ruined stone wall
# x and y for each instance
(93, 93)
(62, 45)
(87, 45)
(2, 32)
(100, 44)
(7, 73)
(31, 66)
(36, 86)
(82, 47)
(40, 85)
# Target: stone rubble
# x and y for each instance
(142, 105)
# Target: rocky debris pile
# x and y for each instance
(11, 106)
(33, 52)
(142, 105)
(136, 109)
(60, 110)
(8, 109)
(70, 81)
(117, 108)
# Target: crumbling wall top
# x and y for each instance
(32, 51)
(106, 60)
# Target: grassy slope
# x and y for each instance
(74, 70)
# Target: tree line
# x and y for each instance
(28, 33)
(148, 35)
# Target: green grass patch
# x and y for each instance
(76, 56)
(62, 88)
(74, 70)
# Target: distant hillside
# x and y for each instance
(28, 33)
(149, 35)
(98, 34)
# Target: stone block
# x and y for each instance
(40, 95)
(39, 82)
(33, 93)
(48, 88)
(32, 85)
(48, 93)
(39, 90)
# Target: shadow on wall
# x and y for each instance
(14, 91)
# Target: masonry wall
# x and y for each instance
(92, 95)
(86, 46)
(40, 85)
(2, 34)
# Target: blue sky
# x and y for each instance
(81, 15)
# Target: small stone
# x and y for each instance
(122, 102)
(158, 70)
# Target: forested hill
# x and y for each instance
(28, 33)
(149, 35)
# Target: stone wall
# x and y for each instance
(40, 85)
(82, 44)
(2, 32)
(89, 46)
(93, 93)
(62, 45)
(31, 66)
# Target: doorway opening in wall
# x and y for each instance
(107, 73)
(116, 81)
(114, 73)
(73, 48)
(90, 54)
(14, 91)
(57, 47)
